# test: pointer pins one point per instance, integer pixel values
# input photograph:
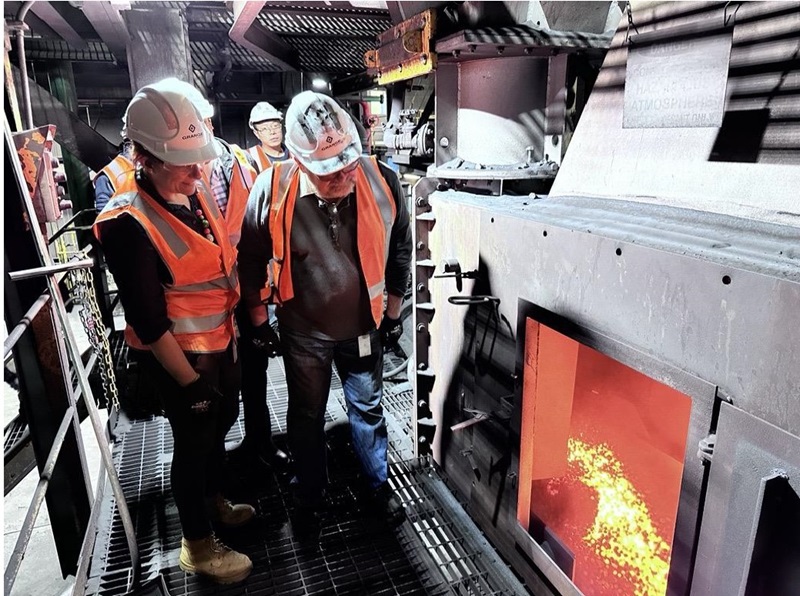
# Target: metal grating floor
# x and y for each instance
(437, 551)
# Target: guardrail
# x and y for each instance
(50, 271)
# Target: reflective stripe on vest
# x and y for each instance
(375, 213)
(121, 174)
(205, 286)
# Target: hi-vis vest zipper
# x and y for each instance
(375, 210)
(205, 286)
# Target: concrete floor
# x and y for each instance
(40, 574)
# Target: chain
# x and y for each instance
(83, 292)
(630, 24)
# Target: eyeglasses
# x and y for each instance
(271, 127)
(187, 168)
(343, 172)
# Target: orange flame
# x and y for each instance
(623, 534)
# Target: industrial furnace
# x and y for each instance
(608, 368)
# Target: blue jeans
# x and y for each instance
(308, 362)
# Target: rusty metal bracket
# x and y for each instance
(404, 51)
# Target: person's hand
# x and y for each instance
(202, 395)
(265, 338)
(391, 330)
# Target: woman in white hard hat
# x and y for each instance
(266, 124)
(167, 245)
(231, 177)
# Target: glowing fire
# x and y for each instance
(623, 534)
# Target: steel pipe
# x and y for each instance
(50, 269)
(23, 70)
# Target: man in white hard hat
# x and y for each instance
(334, 230)
(169, 249)
(266, 124)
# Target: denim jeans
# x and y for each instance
(308, 362)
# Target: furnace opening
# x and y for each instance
(601, 459)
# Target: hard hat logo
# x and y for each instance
(158, 113)
(321, 134)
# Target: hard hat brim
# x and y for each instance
(326, 167)
(191, 156)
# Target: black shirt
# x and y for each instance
(330, 295)
(138, 270)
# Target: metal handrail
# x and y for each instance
(67, 225)
(50, 272)
(50, 269)
(26, 531)
(19, 329)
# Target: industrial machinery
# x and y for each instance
(602, 397)
(609, 374)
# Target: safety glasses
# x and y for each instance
(187, 169)
(341, 173)
(271, 127)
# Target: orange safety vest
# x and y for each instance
(205, 285)
(121, 173)
(263, 160)
(242, 179)
(376, 212)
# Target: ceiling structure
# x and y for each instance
(328, 38)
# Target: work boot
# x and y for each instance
(209, 557)
(226, 513)
(388, 506)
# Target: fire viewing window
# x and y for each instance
(601, 460)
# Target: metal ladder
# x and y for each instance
(50, 270)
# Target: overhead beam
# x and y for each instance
(248, 32)
(39, 27)
(53, 19)
(107, 21)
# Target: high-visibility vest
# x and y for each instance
(263, 160)
(242, 179)
(121, 173)
(375, 213)
(205, 284)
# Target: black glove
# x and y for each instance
(201, 395)
(266, 338)
(391, 330)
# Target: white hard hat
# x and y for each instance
(320, 134)
(193, 93)
(263, 111)
(163, 120)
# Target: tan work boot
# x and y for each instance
(209, 557)
(226, 513)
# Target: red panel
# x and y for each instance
(546, 407)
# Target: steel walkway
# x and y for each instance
(437, 551)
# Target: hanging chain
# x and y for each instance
(630, 24)
(83, 292)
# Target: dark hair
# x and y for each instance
(143, 158)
